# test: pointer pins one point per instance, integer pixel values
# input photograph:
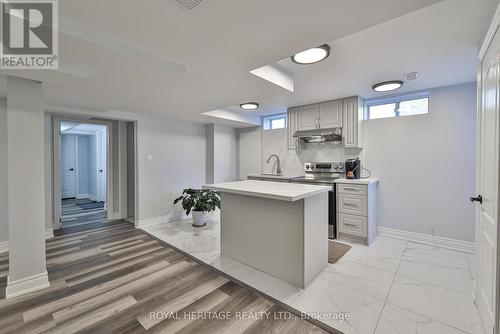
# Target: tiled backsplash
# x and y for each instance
(292, 162)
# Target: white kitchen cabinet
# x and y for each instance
(330, 114)
(356, 209)
(308, 117)
(352, 118)
(293, 125)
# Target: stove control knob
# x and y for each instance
(307, 166)
(335, 166)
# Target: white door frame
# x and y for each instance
(492, 31)
(98, 164)
(56, 163)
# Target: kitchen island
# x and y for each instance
(278, 228)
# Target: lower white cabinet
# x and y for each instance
(352, 225)
(356, 210)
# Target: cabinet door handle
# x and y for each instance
(351, 189)
(351, 204)
(351, 225)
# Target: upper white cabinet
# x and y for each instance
(293, 125)
(345, 113)
(352, 113)
(308, 117)
(330, 114)
(320, 116)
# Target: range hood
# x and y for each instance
(319, 135)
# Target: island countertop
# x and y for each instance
(274, 190)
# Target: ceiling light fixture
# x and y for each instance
(312, 56)
(387, 86)
(249, 106)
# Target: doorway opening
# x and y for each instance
(84, 151)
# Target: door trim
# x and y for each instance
(56, 164)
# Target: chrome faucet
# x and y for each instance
(278, 168)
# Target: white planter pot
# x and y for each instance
(199, 218)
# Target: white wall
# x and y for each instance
(178, 161)
(49, 181)
(222, 153)
(4, 223)
(225, 154)
(426, 165)
(26, 185)
(250, 146)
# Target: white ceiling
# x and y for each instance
(154, 57)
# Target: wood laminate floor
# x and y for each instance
(112, 278)
(74, 215)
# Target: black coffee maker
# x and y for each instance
(353, 168)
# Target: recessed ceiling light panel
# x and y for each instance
(387, 86)
(249, 106)
(312, 56)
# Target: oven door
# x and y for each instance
(332, 214)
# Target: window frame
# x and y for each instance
(397, 99)
(270, 118)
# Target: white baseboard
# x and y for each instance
(49, 233)
(457, 245)
(26, 285)
(139, 223)
(4, 245)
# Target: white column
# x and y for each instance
(26, 194)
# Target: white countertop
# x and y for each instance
(358, 181)
(276, 176)
(267, 189)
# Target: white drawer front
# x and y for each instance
(352, 204)
(359, 189)
(353, 225)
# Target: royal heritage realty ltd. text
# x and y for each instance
(264, 315)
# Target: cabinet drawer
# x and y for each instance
(352, 204)
(353, 225)
(344, 188)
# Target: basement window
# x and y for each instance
(407, 105)
(274, 122)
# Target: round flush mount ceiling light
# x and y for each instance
(312, 56)
(249, 106)
(387, 86)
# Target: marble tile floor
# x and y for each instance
(391, 287)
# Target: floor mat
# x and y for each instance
(336, 250)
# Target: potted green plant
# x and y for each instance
(200, 202)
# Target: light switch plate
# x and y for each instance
(149, 157)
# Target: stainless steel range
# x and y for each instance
(324, 173)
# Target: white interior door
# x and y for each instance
(101, 165)
(487, 187)
(68, 166)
